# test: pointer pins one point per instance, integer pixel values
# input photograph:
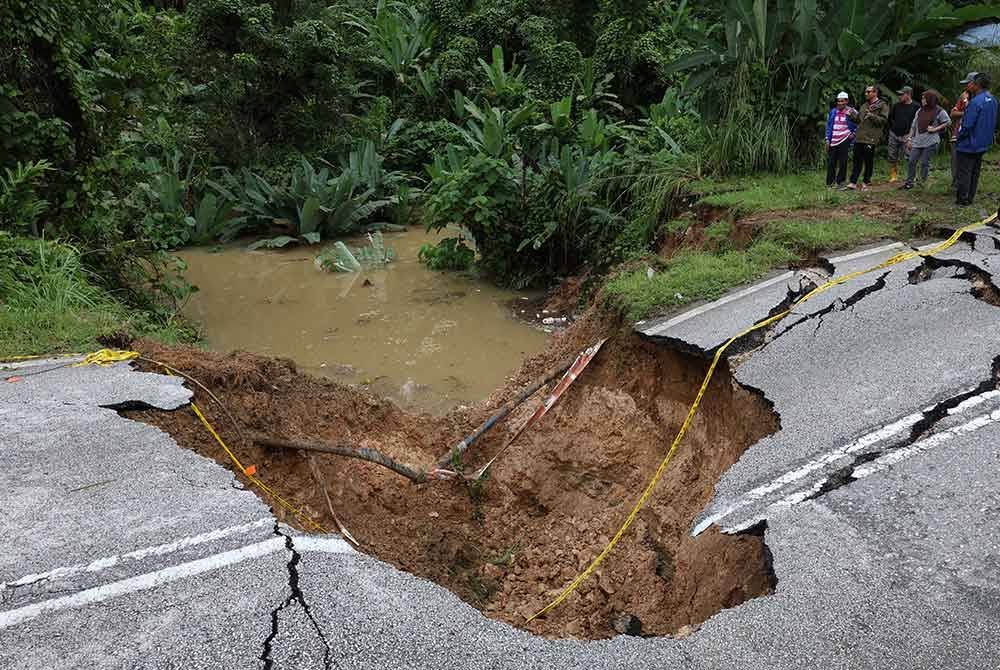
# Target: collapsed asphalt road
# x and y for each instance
(121, 550)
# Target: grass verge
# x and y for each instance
(49, 303)
(706, 273)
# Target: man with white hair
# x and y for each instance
(840, 130)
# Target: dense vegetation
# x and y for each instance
(556, 135)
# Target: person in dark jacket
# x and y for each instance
(900, 120)
(840, 131)
(871, 120)
(957, 112)
(979, 123)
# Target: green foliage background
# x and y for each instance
(558, 134)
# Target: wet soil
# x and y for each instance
(552, 501)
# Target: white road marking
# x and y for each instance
(159, 550)
(322, 545)
(883, 433)
(864, 253)
(327, 545)
(881, 463)
(697, 311)
(39, 362)
(899, 455)
(142, 582)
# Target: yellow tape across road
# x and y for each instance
(899, 258)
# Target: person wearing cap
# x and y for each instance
(924, 137)
(840, 130)
(956, 124)
(871, 119)
(900, 120)
(979, 123)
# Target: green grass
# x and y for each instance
(798, 190)
(694, 275)
(48, 303)
(809, 237)
(704, 275)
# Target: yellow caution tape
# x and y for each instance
(107, 357)
(303, 518)
(648, 491)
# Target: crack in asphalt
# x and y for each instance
(931, 417)
(838, 305)
(295, 596)
(758, 339)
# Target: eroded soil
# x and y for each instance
(553, 500)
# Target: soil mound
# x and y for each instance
(552, 501)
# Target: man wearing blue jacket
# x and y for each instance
(979, 123)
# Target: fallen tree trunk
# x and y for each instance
(349, 451)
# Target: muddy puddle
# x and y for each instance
(430, 341)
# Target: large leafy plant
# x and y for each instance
(309, 205)
(21, 203)
(400, 34)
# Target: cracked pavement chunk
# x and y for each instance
(834, 385)
(838, 304)
(94, 386)
(930, 419)
(701, 332)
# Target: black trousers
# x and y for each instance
(863, 154)
(836, 163)
(967, 176)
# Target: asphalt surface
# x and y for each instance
(119, 549)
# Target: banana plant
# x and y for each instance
(502, 81)
(593, 132)
(20, 204)
(168, 184)
(211, 218)
(595, 90)
(560, 116)
(458, 101)
(310, 205)
(805, 49)
(427, 81)
(446, 165)
(366, 166)
(401, 33)
(492, 130)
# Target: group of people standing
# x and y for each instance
(915, 132)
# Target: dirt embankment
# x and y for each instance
(553, 500)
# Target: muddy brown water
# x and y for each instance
(429, 340)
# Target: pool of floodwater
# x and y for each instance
(429, 340)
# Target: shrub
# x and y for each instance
(448, 254)
(21, 205)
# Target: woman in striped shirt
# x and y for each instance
(840, 131)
